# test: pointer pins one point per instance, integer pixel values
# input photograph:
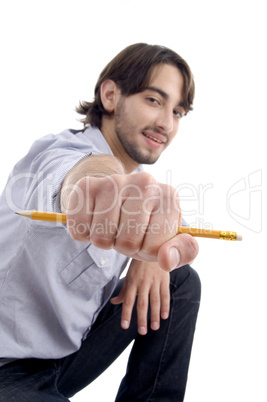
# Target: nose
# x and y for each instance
(165, 120)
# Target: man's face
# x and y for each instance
(146, 122)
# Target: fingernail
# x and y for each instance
(125, 324)
(174, 258)
(155, 325)
(142, 330)
(165, 316)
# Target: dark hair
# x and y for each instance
(131, 70)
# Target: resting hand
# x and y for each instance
(148, 282)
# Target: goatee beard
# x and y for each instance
(123, 127)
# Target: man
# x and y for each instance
(65, 315)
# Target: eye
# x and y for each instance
(153, 100)
(178, 113)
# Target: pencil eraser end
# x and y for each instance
(239, 237)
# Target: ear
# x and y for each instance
(109, 95)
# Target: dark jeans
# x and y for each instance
(158, 363)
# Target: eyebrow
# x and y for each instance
(162, 93)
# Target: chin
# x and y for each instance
(147, 160)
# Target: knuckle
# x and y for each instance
(189, 249)
(155, 299)
(171, 198)
(128, 301)
(153, 192)
(129, 245)
(109, 183)
(103, 242)
(145, 179)
(165, 295)
(77, 230)
(193, 247)
(74, 235)
(141, 304)
(81, 184)
(147, 184)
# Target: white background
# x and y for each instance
(51, 55)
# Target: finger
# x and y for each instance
(117, 299)
(142, 309)
(133, 218)
(78, 221)
(178, 251)
(127, 307)
(106, 213)
(120, 298)
(155, 304)
(165, 219)
(165, 298)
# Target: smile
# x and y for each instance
(153, 138)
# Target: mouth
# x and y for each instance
(160, 139)
(153, 138)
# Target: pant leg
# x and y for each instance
(104, 343)
(29, 380)
(158, 364)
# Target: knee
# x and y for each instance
(195, 283)
(185, 283)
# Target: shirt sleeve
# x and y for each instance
(37, 179)
(48, 174)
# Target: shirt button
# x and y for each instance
(103, 261)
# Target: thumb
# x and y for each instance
(120, 298)
(180, 250)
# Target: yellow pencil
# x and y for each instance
(44, 216)
(211, 234)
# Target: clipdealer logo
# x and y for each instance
(244, 201)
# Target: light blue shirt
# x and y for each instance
(51, 287)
